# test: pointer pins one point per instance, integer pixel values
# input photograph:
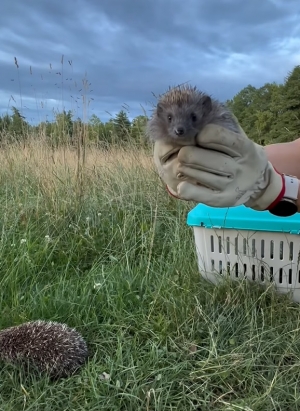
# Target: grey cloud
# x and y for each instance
(130, 49)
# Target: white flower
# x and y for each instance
(97, 286)
(104, 376)
(23, 241)
(47, 238)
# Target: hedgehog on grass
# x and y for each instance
(47, 346)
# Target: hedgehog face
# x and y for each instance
(183, 112)
(182, 121)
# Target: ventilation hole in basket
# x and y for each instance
(228, 268)
(272, 249)
(220, 244)
(220, 267)
(236, 245)
(280, 275)
(236, 269)
(245, 270)
(291, 251)
(299, 276)
(244, 246)
(290, 276)
(262, 249)
(262, 273)
(228, 245)
(253, 272)
(212, 265)
(253, 247)
(281, 250)
(212, 249)
(271, 274)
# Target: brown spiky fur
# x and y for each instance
(186, 110)
(46, 346)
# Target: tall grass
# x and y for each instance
(116, 260)
(95, 241)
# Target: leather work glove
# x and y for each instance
(225, 169)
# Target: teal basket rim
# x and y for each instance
(242, 218)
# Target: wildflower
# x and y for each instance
(104, 376)
(23, 241)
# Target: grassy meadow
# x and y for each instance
(99, 245)
(89, 237)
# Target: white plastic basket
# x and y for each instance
(243, 243)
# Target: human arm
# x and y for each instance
(285, 157)
(225, 169)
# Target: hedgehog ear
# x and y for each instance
(159, 108)
(206, 104)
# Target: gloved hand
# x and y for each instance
(226, 169)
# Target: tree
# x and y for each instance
(94, 128)
(18, 125)
(5, 122)
(62, 128)
(288, 122)
(291, 101)
(242, 105)
(258, 110)
(122, 126)
(138, 129)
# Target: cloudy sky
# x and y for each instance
(119, 53)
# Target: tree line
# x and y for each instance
(270, 113)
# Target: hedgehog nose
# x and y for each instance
(179, 131)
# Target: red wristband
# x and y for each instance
(280, 195)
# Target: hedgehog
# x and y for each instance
(45, 346)
(182, 112)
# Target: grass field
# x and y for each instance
(104, 249)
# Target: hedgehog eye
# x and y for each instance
(169, 117)
(194, 117)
